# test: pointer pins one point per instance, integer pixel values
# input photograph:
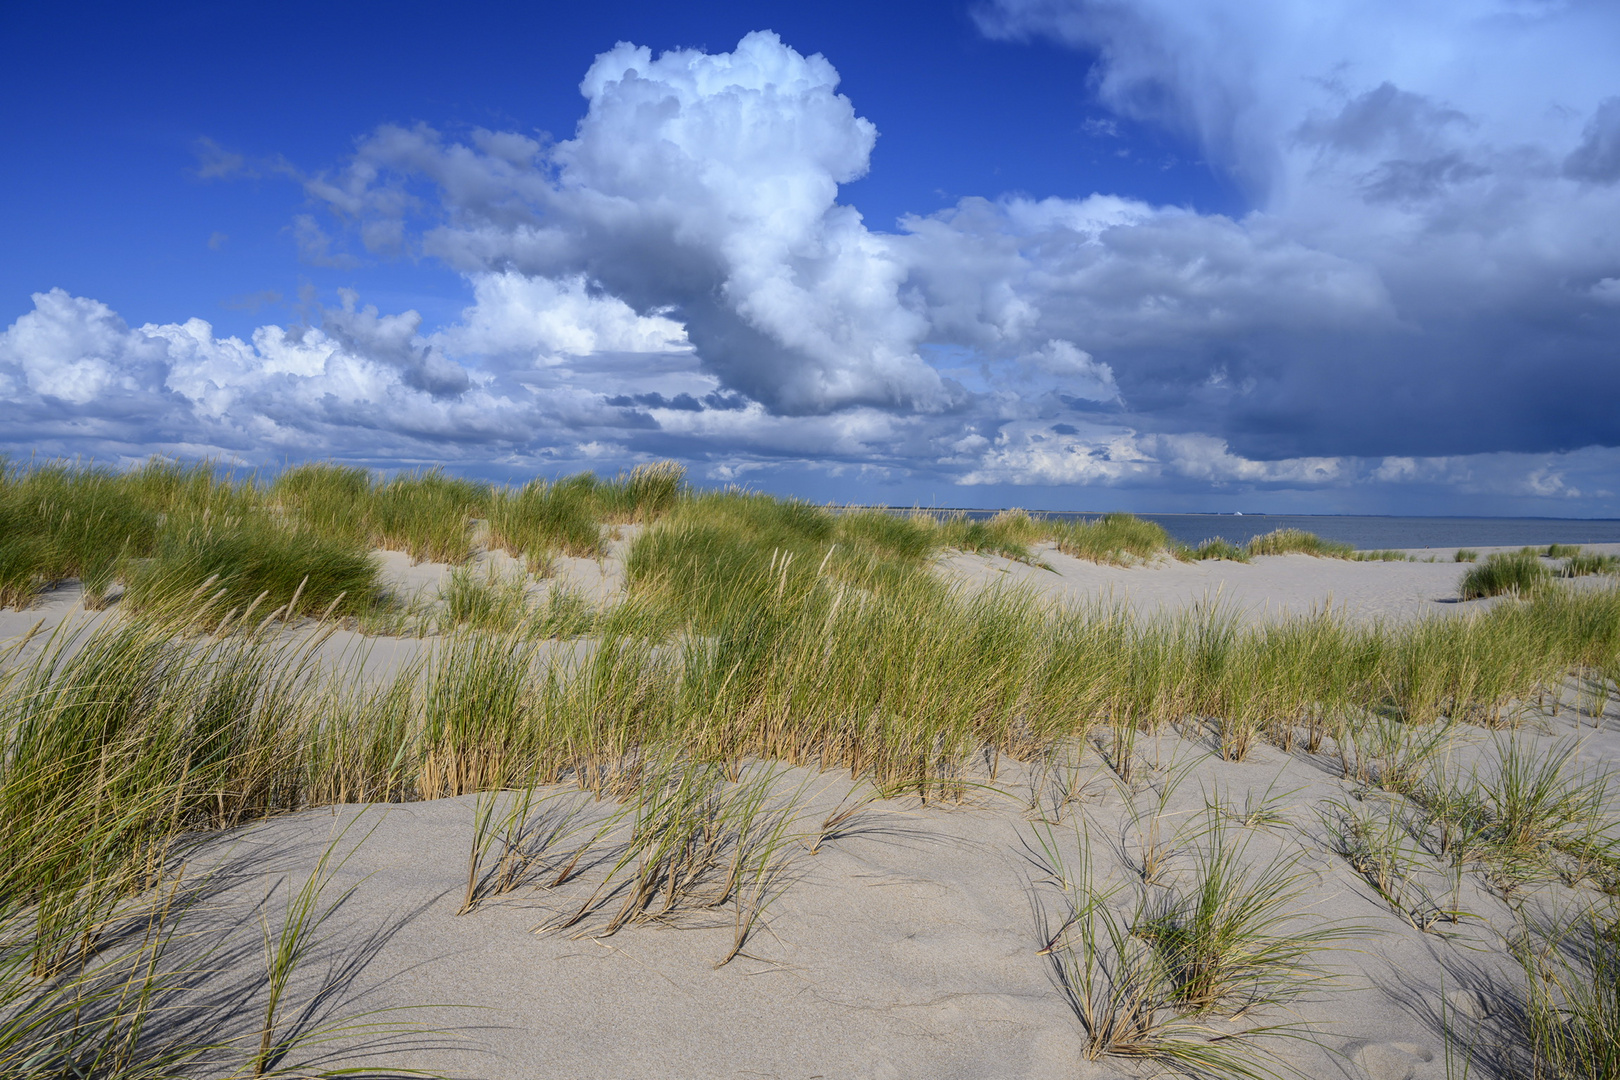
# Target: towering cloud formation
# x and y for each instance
(706, 184)
(1428, 268)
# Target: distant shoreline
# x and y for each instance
(1367, 532)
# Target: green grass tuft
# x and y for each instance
(1120, 539)
(1584, 563)
(1217, 547)
(1299, 542)
(258, 565)
(1517, 573)
(1382, 556)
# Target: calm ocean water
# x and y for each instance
(1379, 532)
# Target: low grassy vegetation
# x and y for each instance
(1112, 538)
(165, 529)
(1299, 542)
(754, 632)
(1218, 547)
(1520, 573)
(1585, 563)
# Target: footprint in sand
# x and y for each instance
(1388, 1060)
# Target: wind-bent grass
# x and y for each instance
(113, 744)
(1520, 573)
(259, 564)
(1465, 555)
(696, 842)
(288, 945)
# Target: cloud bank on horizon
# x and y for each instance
(1425, 294)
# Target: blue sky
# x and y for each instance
(1069, 254)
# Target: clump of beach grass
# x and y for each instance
(485, 599)
(541, 518)
(1299, 542)
(1584, 563)
(1119, 539)
(1571, 968)
(258, 563)
(1518, 573)
(427, 514)
(1465, 555)
(1527, 814)
(1178, 983)
(1382, 556)
(1008, 534)
(1225, 938)
(1217, 547)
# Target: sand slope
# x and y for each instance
(908, 948)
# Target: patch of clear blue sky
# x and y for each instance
(101, 107)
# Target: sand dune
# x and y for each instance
(909, 948)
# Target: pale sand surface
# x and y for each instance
(907, 949)
(1270, 585)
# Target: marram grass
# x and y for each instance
(753, 629)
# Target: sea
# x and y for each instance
(1372, 532)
